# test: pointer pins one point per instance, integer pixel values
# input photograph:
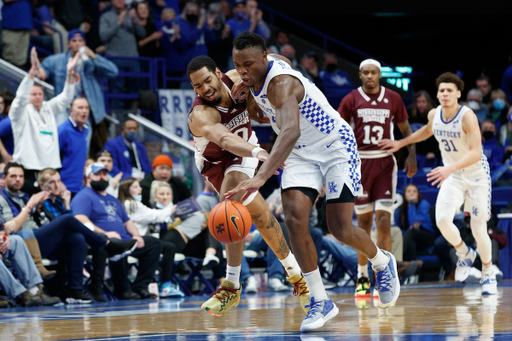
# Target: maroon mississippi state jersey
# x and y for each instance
(373, 116)
(236, 119)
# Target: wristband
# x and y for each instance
(256, 150)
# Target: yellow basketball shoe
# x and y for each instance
(225, 298)
(363, 287)
(301, 289)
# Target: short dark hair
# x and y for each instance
(247, 39)
(10, 165)
(200, 62)
(103, 153)
(483, 77)
(74, 99)
(38, 85)
(449, 77)
(128, 120)
(282, 30)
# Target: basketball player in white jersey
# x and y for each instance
(316, 145)
(464, 178)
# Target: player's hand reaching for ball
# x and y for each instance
(390, 146)
(250, 186)
(438, 175)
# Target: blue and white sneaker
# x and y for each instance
(319, 313)
(489, 284)
(388, 283)
(464, 265)
(169, 289)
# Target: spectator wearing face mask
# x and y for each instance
(498, 111)
(220, 49)
(239, 23)
(474, 99)
(335, 81)
(129, 155)
(492, 149)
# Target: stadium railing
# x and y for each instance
(158, 140)
(11, 77)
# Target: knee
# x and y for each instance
(16, 240)
(293, 223)
(443, 221)
(26, 234)
(77, 240)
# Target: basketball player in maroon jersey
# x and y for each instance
(227, 152)
(373, 109)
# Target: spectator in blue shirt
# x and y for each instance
(173, 45)
(41, 35)
(73, 144)
(491, 147)
(89, 69)
(16, 24)
(239, 23)
(93, 206)
(59, 200)
(413, 218)
(196, 32)
(336, 82)
(128, 154)
(6, 137)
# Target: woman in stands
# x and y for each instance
(413, 218)
(130, 194)
(188, 235)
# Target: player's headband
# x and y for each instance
(369, 62)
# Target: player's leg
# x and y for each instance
(365, 222)
(297, 204)
(478, 203)
(449, 200)
(340, 205)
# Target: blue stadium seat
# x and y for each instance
(420, 180)
(401, 182)
(501, 196)
(430, 195)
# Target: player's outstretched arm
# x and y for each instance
(206, 121)
(419, 135)
(410, 164)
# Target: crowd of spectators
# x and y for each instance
(71, 191)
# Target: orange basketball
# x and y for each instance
(229, 222)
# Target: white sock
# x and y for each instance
(34, 290)
(290, 265)
(362, 271)
(379, 259)
(315, 285)
(487, 268)
(462, 250)
(233, 275)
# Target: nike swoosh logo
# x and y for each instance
(477, 179)
(233, 220)
(330, 144)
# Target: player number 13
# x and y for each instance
(368, 139)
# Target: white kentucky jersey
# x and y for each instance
(453, 141)
(317, 118)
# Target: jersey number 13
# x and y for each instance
(372, 135)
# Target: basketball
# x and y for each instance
(229, 222)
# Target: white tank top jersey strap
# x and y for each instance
(317, 118)
(453, 141)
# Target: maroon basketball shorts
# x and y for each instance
(378, 177)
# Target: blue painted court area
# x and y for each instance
(437, 311)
